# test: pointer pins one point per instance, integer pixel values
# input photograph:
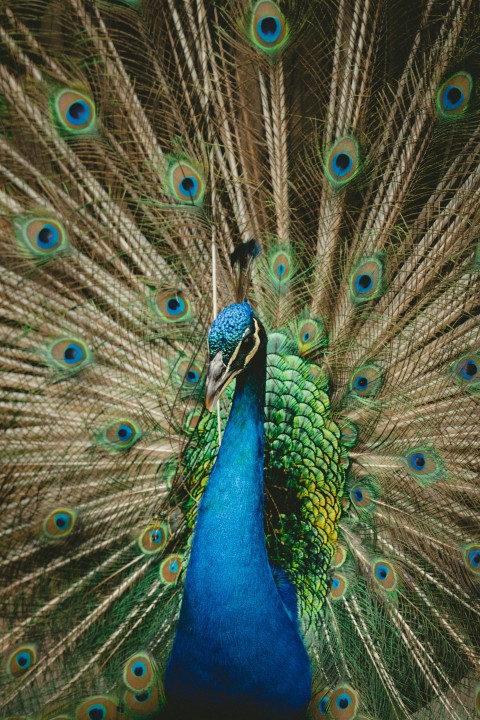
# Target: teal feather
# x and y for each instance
(148, 151)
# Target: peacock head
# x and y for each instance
(235, 336)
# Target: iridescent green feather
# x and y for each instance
(305, 476)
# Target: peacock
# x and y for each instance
(240, 359)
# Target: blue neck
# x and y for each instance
(235, 646)
(231, 510)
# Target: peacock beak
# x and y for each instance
(219, 376)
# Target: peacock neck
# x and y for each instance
(235, 645)
(232, 506)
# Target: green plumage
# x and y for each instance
(141, 143)
(305, 476)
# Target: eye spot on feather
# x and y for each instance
(170, 569)
(70, 354)
(189, 374)
(97, 712)
(454, 95)
(59, 523)
(281, 269)
(311, 336)
(74, 111)
(340, 556)
(363, 496)
(143, 703)
(185, 181)
(42, 238)
(97, 707)
(471, 555)
(172, 306)
(367, 381)
(120, 435)
(424, 464)
(363, 283)
(366, 280)
(344, 703)
(21, 660)
(348, 432)
(319, 705)
(466, 371)
(342, 161)
(153, 539)
(74, 353)
(139, 672)
(269, 29)
(385, 576)
(338, 586)
(417, 461)
(469, 370)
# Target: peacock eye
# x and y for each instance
(417, 461)
(361, 383)
(338, 586)
(471, 555)
(21, 660)
(349, 432)
(171, 306)
(468, 369)
(454, 95)
(269, 30)
(344, 703)
(97, 712)
(97, 707)
(153, 539)
(143, 702)
(424, 464)
(385, 576)
(248, 342)
(59, 523)
(41, 238)
(311, 335)
(184, 181)
(142, 696)
(74, 111)
(342, 161)
(367, 381)
(382, 572)
(78, 112)
(170, 569)
(465, 371)
(323, 705)
(120, 435)
(366, 280)
(70, 354)
(138, 673)
(474, 558)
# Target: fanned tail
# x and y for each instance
(136, 140)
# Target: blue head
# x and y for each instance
(235, 336)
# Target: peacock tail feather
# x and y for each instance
(141, 143)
